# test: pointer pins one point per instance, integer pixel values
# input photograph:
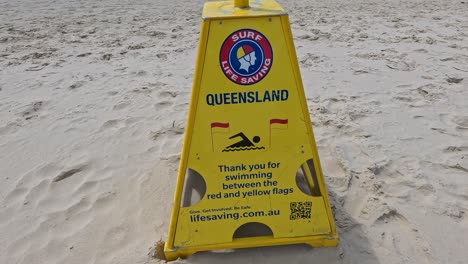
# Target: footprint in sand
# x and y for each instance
(452, 190)
(167, 94)
(113, 123)
(404, 179)
(162, 105)
(461, 121)
(143, 90)
(76, 85)
(309, 60)
(420, 96)
(456, 123)
(401, 64)
(398, 237)
(335, 169)
(451, 149)
(167, 141)
(162, 56)
(32, 111)
(121, 105)
(165, 99)
(157, 34)
(10, 128)
(456, 157)
(181, 106)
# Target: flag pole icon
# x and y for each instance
(218, 127)
(277, 123)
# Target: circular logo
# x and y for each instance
(246, 57)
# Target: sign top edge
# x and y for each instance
(226, 9)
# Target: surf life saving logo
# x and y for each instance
(246, 57)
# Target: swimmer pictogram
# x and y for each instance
(244, 144)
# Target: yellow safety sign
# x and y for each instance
(249, 150)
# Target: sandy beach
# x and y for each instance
(94, 98)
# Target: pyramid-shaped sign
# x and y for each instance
(250, 173)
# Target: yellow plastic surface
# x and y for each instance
(241, 3)
(247, 137)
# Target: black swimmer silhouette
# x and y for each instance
(244, 144)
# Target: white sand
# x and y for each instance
(93, 104)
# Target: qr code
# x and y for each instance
(300, 210)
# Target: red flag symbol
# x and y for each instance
(218, 124)
(278, 121)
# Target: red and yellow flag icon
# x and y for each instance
(217, 127)
(276, 123)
